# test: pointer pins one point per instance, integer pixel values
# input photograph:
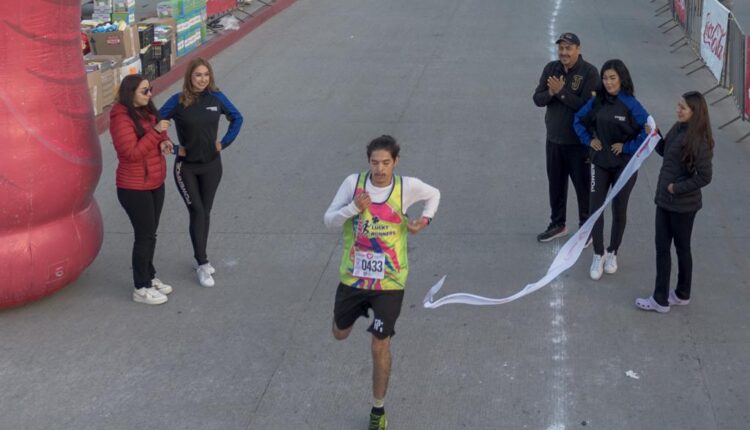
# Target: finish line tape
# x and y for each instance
(569, 252)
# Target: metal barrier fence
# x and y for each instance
(687, 15)
(735, 66)
(695, 16)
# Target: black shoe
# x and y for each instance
(552, 232)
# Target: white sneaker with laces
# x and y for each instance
(149, 296)
(209, 267)
(204, 276)
(161, 286)
(674, 300)
(597, 267)
(610, 262)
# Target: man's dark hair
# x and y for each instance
(385, 142)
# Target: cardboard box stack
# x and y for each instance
(191, 22)
(124, 10)
(107, 78)
(122, 48)
(120, 42)
(102, 10)
(165, 41)
(163, 57)
(150, 47)
(148, 62)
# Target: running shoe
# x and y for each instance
(161, 286)
(148, 296)
(674, 300)
(597, 267)
(204, 276)
(553, 231)
(610, 262)
(649, 304)
(378, 422)
(208, 266)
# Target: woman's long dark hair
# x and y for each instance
(126, 96)
(698, 127)
(626, 83)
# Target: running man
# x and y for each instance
(371, 206)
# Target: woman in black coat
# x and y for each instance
(686, 168)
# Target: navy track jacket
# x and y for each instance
(198, 124)
(612, 119)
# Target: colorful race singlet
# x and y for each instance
(374, 255)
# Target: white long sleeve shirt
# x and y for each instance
(413, 190)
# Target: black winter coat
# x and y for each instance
(687, 179)
(580, 83)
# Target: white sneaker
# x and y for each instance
(149, 296)
(204, 276)
(597, 267)
(161, 286)
(610, 262)
(674, 300)
(209, 267)
(649, 304)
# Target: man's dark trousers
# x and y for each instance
(565, 161)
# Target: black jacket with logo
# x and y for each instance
(198, 124)
(687, 179)
(612, 119)
(580, 83)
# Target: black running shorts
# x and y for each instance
(352, 303)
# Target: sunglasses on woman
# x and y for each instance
(147, 90)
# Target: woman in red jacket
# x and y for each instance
(141, 141)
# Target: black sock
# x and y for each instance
(377, 411)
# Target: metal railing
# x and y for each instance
(687, 16)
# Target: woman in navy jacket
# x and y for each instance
(196, 112)
(686, 168)
(613, 125)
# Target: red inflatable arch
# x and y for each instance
(50, 160)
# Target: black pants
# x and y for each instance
(198, 183)
(565, 161)
(601, 181)
(143, 209)
(678, 227)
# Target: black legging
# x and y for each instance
(601, 181)
(678, 227)
(198, 183)
(143, 209)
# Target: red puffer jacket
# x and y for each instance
(141, 164)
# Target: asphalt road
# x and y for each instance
(452, 80)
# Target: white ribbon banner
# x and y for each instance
(569, 252)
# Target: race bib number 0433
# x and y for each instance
(369, 264)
